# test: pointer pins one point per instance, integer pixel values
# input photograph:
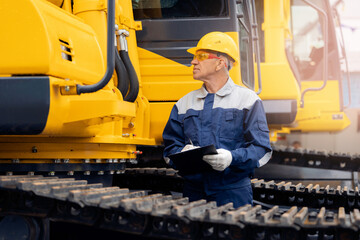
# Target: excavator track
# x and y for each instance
(168, 216)
(315, 158)
(283, 155)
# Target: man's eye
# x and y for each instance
(202, 56)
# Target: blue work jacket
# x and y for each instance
(234, 119)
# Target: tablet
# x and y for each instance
(191, 162)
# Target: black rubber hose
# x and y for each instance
(110, 54)
(123, 77)
(134, 82)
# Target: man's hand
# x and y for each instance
(189, 147)
(167, 160)
(219, 161)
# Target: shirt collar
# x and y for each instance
(225, 90)
(202, 93)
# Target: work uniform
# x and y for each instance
(233, 118)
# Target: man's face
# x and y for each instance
(204, 64)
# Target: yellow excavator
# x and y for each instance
(301, 61)
(303, 64)
(59, 99)
(87, 86)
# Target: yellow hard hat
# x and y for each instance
(218, 42)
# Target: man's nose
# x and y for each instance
(194, 61)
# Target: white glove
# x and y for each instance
(189, 147)
(167, 160)
(219, 161)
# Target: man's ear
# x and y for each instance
(220, 65)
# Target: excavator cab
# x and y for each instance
(315, 59)
(300, 66)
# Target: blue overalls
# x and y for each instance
(234, 119)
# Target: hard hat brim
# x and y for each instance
(192, 50)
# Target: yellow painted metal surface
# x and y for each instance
(85, 115)
(322, 109)
(274, 26)
(93, 13)
(160, 112)
(278, 82)
(63, 150)
(40, 38)
(325, 122)
(164, 79)
(56, 2)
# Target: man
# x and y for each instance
(224, 114)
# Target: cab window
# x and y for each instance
(162, 9)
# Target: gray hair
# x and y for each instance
(229, 59)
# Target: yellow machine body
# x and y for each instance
(44, 40)
(322, 110)
(277, 78)
(48, 41)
